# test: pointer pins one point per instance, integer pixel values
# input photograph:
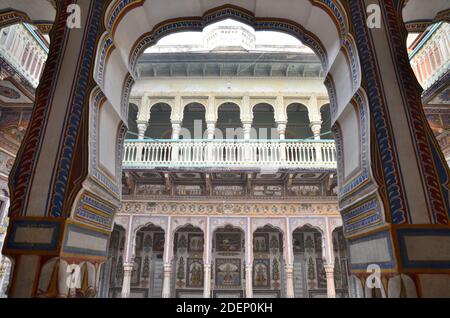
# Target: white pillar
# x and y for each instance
(126, 284)
(249, 260)
(211, 129)
(142, 127)
(329, 272)
(167, 257)
(207, 281)
(29, 62)
(14, 44)
(8, 37)
(316, 126)
(207, 260)
(289, 281)
(281, 127)
(166, 280)
(247, 127)
(249, 281)
(176, 128)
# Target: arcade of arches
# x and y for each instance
(217, 149)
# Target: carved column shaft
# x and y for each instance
(166, 292)
(331, 289)
(249, 281)
(207, 281)
(126, 284)
(290, 281)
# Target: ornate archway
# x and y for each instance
(383, 207)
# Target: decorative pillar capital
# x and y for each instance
(249, 280)
(329, 273)
(329, 268)
(289, 280)
(210, 129)
(176, 128)
(207, 280)
(126, 283)
(289, 268)
(166, 280)
(142, 127)
(167, 268)
(128, 266)
(316, 127)
(247, 127)
(281, 127)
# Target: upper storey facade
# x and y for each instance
(430, 60)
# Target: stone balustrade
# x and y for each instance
(24, 51)
(263, 154)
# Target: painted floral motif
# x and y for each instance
(8, 92)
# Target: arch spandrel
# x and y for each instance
(216, 223)
(38, 12)
(327, 51)
(140, 222)
(418, 15)
(196, 222)
(317, 223)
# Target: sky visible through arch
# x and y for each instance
(280, 41)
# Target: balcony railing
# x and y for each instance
(257, 154)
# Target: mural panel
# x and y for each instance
(195, 243)
(194, 272)
(158, 242)
(228, 242)
(228, 273)
(261, 273)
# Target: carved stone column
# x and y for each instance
(207, 281)
(52, 154)
(143, 116)
(406, 163)
(176, 128)
(249, 260)
(316, 127)
(289, 281)
(249, 281)
(126, 284)
(166, 292)
(142, 127)
(281, 127)
(247, 127)
(329, 272)
(210, 129)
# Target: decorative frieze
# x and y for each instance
(247, 209)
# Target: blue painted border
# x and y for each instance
(383, 265)
(10, 244)
(83, 251)
(406, 262)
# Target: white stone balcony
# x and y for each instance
(230, 154)
(23, 51)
